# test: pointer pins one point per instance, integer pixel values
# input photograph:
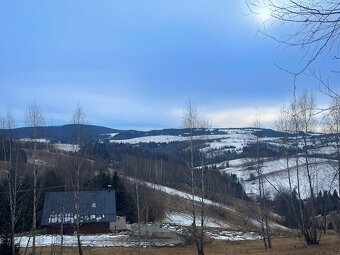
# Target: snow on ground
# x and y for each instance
(233, 235)
(238, 130)
(40, 162)
(166, 139)
(41, 140)
(230, 138)
(180, 194)
(150, 139)
(102, 240)
(125, 240)
(276, 176)
(184, 219)
(67, 147)
(326, 150)
(231, 142)
(188, 196)
(238, 162)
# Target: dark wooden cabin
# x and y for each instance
(97, 211)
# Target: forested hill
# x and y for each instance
(63, 133)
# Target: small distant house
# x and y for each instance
(119, 224)
(97, 212)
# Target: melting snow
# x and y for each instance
(103, 240)
(67, 147)
(184, 219)
(233, 235)
(41, 140)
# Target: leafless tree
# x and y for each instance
(204, 126)
(332, 127)
(314, 29)
(303, 112)
(264, 211)
(138, 217)
(34, 119)
(307, 111)
(315, 25)
(11, 168)
(78, 165)
(283, 124)
(190, 122)
(289, 123)
(193, 122)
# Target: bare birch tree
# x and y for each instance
(303, 112)
(11, 167)
(332, 127)
(34, 120)
(204, 126)
(283, 125)
(193, 122)
(79, 135)
(264, 211)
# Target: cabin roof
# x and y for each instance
(95, 206)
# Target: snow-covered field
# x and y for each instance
(275, 173)
(167, 139)
(66, 147)
(150, 139)
(231, 142)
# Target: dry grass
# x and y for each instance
(330, 245)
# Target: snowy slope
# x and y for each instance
(188, 196)
(275, 173)
(185, 219)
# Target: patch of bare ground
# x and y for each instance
(330, 245)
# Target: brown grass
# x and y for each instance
(330, 245)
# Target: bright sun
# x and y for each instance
(263, 14)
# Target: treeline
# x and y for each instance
(165, 164)
(287, 206)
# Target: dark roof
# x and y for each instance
(95, 206)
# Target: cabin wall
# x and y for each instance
(90, 228)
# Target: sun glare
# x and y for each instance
(263, 14)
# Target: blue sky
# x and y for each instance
(134, 64)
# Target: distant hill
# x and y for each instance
(129, 134)
(64, 133)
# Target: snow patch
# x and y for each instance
(67, 147)
(184, 219)
(41, 140)
(233, 236)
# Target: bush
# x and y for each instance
(330, 226)
(5, 247)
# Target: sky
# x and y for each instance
(134, 64)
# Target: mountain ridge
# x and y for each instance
(65, 133)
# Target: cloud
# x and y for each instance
(243, 117)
